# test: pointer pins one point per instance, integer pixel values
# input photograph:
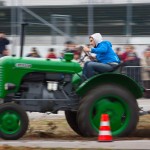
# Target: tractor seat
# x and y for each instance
(117, 68)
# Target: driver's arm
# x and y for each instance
(100, 49)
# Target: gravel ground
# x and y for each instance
(37, 115)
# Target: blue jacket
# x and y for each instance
(104, 53)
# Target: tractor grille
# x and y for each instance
(1, 80)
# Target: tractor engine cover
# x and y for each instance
(37, 98)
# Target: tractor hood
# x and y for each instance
(14, 69)
(40, 64)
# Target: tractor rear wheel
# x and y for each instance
(111, 99)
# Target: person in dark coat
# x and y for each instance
(132, 67)
(69, 47)
(3, 42)
(33, 53)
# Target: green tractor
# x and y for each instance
(45, 85)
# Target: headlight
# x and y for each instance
(9, 86)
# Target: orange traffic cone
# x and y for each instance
(104, 130)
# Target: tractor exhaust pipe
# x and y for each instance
(22, 38)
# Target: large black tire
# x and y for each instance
(13, 121)
(110, 99)
(71, 117)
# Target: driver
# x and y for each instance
(106, 59)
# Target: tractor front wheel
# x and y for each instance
(13, 121)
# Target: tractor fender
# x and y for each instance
(108, 78)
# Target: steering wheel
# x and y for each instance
(86, 54)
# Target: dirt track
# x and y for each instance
(56, 133)
(55, 128)
(49, 128)
(59, 129)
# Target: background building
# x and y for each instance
(52, 22)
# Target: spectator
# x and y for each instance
(145, 63)
(33, 53)
(69, 47)
(131, 64)
(5, 52)
(132, 59)
(51, 53)
(128, 49)
(3, 42)
(119, 53)
(77, 56)
(61, 55)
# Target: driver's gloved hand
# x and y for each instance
(92, 58)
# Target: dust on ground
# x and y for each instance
(59, 129)
(52, 128)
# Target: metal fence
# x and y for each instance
(140, 74)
